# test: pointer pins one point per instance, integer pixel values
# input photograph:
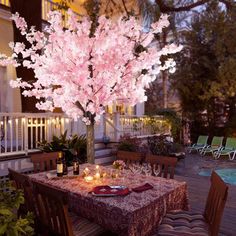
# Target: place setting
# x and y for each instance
(113, 176)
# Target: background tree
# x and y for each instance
(205, 78)
(181, 12)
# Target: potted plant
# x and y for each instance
(77, 145)
(74, 145)
(128, 143)
(159, 145)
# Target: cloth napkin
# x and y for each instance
(142, 188)
(109, 190)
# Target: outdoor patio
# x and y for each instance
(186, 171)
(198, 187)
(101, 104)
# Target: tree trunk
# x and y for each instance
(164, 73)
(31, 11)
(90, 143)
(165, 89)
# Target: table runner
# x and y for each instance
(137, 214)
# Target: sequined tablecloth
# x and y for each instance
(137, 214)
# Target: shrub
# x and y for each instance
(159, 145)
(128, 143)
(10, 223)
(75, 145)
(175, 121)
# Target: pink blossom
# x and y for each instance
(19, 83)
(73, 68)
(19, 47)
(20, 22)
(4, 60)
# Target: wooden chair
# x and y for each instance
(53, 212)
(22, 182)
(44, 161)
(165, 165)
(129, 157)
(191, 223)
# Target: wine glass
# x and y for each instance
(135, 168)
(156, 170)
(147, 169)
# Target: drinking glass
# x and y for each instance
(135, 168)
(156, 170)
(147, 169)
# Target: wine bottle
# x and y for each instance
(75, 165)
(65, 169)
(59, 165)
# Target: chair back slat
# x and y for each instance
(129, 157)
(230, 143)
(44, 161)
(22, 182)
(54, 163)
(217, 141)
(166, 165)
(215, 203)
(53, 209)
(202, 139)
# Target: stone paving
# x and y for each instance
(194, 163)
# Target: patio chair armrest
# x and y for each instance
(233, 150)
(221, 148)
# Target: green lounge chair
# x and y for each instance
(228, 150)
(200, 144)
(216, 145)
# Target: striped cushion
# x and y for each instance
(183, 223)
(83, 227)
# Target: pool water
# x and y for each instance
(228, 175)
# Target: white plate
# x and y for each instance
(114, 189)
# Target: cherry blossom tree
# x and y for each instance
(83, 73)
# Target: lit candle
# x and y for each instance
(114, 174)
(86, 171)
(97, 170)
(104, 174)
(97, 176)
(88, 178)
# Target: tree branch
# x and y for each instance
(126, 10)
(228, 4)
(164, 8)
(78, 104)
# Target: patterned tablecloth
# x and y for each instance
(131, 215)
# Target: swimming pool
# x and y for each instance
(228, 175)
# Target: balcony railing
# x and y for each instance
(21, 132)
(118, 125)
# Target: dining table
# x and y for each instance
(136, 213)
